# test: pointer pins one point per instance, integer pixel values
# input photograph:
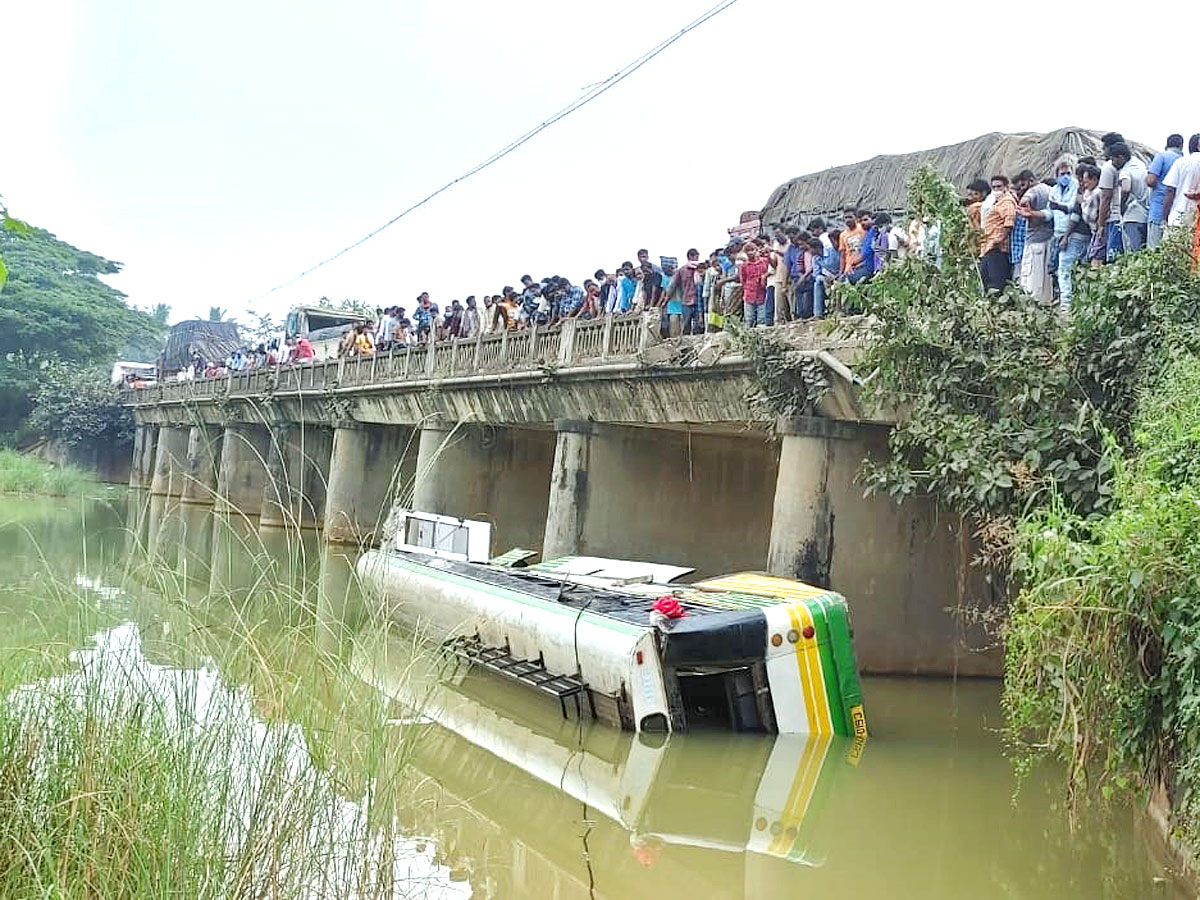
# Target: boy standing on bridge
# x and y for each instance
(753, 276)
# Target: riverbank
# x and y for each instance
(1066, 445)
(24, 474)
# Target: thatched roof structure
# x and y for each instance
(214, 341)
(881, 183)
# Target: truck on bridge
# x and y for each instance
(324, 327)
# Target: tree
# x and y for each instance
(8, 223)
(160, 313)
(54, 307)
(78, 406)
(216, 314)
(264, 329)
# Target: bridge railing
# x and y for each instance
(574, 342)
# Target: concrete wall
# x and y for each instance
(109, 462)
(368, 465)
(897, 564)
(698, 500)
(498, 475)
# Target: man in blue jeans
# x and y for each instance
(753, 276)
(1135, 196)
(866, 267)
(1110, 202)
(683, 296)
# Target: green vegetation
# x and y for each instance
(1104, 637)
(220, 747)
(22, 474)
(1070, 446)
(54, 308)
(76, 406)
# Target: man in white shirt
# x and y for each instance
(383, 330)
(1182, 179)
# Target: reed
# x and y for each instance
(201, 743)
(21, 474)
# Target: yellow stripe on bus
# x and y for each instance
(765, 585)
(812, 658)
(800, 795)
(805, 681)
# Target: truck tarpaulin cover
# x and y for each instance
(212, 340)
(881, 183)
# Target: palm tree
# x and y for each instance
(216, 314)
(160, 312)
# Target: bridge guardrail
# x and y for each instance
(574, 342)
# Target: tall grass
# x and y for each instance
(21, 474)
(212, 747)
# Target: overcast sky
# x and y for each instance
(217, 149)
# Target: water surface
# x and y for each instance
(515, 801)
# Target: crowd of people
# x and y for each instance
(1090, 212)
(1030, 231)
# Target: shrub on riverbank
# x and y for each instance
(1071, 444)
(79, 406)
(1104, 637)
(23, 474)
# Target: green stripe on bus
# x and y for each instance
(843, 653)
(833, 692)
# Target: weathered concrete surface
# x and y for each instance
(368, 465)
(166, 490)
(297, 477)
(568, 490)
(170, 462)
(482, 472)
(898, 564)
(203, 457)
(109, 462)
(242, 473)
(669, 496)
(141, 468)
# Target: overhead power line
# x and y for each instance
(591, 92)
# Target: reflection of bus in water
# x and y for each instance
(512, 791)
(322, 326)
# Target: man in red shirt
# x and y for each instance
(302, 350)
(753, 276)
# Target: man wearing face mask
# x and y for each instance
(1062, 199)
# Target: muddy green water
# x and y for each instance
(520, 803)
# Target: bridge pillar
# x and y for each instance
(199, 494)
(166, 488)
(364, 472)
(801, 544)
(170, 462)
(568, 489)
(435, 445)
(661, 495)
(242, 471)
(141, 471)
(203, 454)
(489, 473)
(276, 498)
(297, 474)
(896, 563)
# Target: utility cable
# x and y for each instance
(591, 92)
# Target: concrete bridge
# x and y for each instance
(593, 438)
